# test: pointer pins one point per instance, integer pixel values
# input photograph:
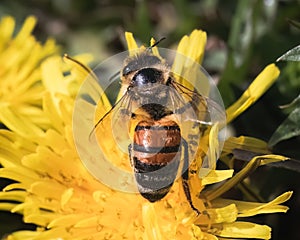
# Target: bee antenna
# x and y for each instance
(156, 43)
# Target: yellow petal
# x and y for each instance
(197, 44)
(15, 195)
(26, 29)
(67, 220)
(5, 206)
(242, 174)
(91, 221)
(66, 107)
(51, 110)
(189, 55)
(20, 207)
(213, 152)
(15, 186)
(7, 26)
(66, 196)
(23, 235)
(208, 236)
(247, 209)
(245, 230)
(253, 164)
(152, 230)
(39, 219)
(179, 61)
(20, 174)
(225, 214)
(190, 50)
(154, 49)
(55, 141)
(256, 89)
(47, 189)
(79, 71)
(13, 148)
(209, 176)
(47, 162)
(245, 143)
(193, 47)
(271, 158)
(52, 76)
(33, 214)
(33, 113)
(19, 124)
(131, 43)
(58, 233)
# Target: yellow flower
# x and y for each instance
(21, 90)
(55, 191)
(21, 73)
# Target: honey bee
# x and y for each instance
(154, 100)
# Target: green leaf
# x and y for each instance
(288, 129)
(288, 82)
(291, 55)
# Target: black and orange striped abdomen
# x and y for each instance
(156, 157)
(156, 144)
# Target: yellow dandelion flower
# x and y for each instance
(55, 191)
(20, 88)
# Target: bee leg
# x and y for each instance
(185, 176)
(130, 154)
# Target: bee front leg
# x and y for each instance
(185, 176)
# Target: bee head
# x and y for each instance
(147, 84)
(140, 62)
(146, 76)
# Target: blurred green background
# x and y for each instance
(243, 37)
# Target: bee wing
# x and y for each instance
(192, 106)
(198, 116)
(97, 150)
(90, 90)
(115, 123)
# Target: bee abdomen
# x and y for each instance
(156, 158)
(156, 144)
(154, 181)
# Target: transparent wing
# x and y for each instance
(192, 106)
(116, 121)
(197, 115)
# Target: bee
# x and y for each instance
(154, 100)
